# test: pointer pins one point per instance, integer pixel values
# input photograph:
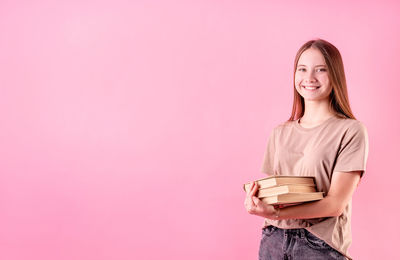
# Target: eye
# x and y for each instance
(301, 69)
(322, 69)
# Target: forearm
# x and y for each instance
(327, 207)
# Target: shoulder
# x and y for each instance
(351, 125)
(351, 131)
(283, 125)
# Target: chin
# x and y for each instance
(315, 98)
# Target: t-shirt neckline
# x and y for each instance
(297, 124)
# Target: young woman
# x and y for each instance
(323, 139)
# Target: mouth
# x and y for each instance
(310, 87)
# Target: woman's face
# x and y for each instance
(311, 77)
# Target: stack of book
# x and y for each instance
(281, 189)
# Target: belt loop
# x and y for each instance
(302, 233)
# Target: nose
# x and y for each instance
(309, 77)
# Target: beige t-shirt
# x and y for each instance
(336, 145)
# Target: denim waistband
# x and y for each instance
(301, 232)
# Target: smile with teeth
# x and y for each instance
(311, 87)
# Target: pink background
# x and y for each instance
(129, 127)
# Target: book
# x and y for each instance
(293, 198)
(275, 180)
(283, 189)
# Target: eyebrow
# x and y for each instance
(315, 66)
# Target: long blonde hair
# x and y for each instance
(339, 100)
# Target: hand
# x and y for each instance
(255, 206)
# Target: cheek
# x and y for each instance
(328, 84)
(296, 86)
(324, 79)
(297, 80)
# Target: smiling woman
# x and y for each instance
(322, 139)
(311, 74)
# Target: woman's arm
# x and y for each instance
(342, 187)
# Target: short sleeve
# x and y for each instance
(269, 154)
(353, 151)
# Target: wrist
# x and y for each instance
(277, 212)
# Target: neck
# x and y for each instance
(316, 111)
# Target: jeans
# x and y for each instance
(294, 244)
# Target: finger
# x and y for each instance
(256, 200)
(249, 204)
(250, 188)
(248, 201)
(254, 189)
